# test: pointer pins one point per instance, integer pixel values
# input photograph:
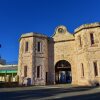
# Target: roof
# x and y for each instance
(86, 26)
(8, 67)
(33, 34)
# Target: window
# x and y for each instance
(60, 30)
(38, 71)
(95, 68)
(26, 46)
(39, 47)
(92, 38)
(25, 71)
(82, 70)
(80, 41)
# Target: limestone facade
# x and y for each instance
(51, 60)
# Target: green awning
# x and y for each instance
(8, 71)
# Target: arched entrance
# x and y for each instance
(63, 72)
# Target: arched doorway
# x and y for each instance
(63, 72)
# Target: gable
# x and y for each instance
(61, 34)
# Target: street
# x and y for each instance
(53, 92)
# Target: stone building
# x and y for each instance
(62, 58)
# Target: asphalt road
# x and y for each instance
(50, 93)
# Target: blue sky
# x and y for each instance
(43, 16)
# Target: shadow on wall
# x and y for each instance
(51, 69)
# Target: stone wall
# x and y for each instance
(75, 48)
(32, 58)
(25, 59)
(87, 53)
(63, 49)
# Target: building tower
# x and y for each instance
(33, 59)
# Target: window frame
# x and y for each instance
(80, 41)
(95, 66)
(38, 72)
(92, 39)
(25, 71)
(82, 70)
(26, 46)
(39, 46)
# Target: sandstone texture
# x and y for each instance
(74, 48)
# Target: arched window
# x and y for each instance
(25, 71)
(38, 71)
